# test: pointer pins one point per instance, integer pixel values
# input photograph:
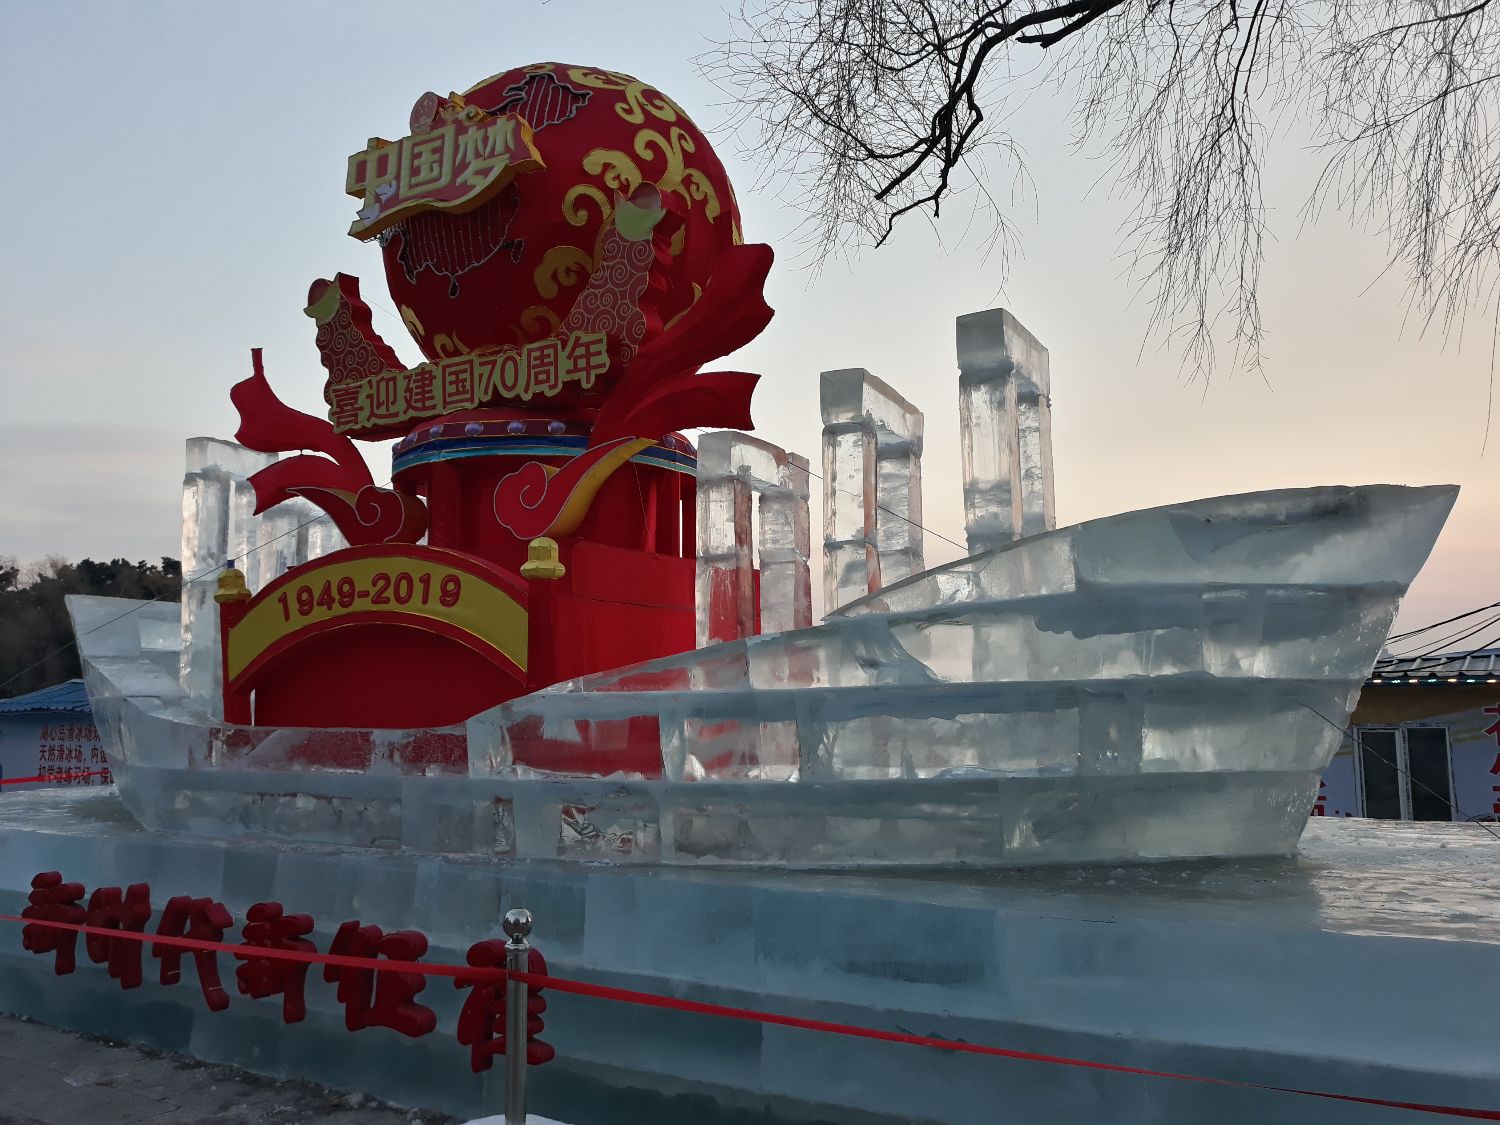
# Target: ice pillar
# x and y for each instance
(290, 534)
(280, 542)
(322, 537)
(217, 525)
(872, 486)
(725, 590)
(1005, 423)
(736, 473)
(785, 550)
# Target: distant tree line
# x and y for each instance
(36, 638)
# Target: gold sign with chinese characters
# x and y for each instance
(465, 382)
(459, 163)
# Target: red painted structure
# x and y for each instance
(627, 593)
(565, 248)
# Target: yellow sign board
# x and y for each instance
(423, 590)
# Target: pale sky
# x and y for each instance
(175, 181)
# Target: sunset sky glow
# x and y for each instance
(176, 181)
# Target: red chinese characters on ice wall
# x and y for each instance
(269, 927)
(129, 911)
(117, 936)
(389, 1001)
(52, 900)
(481, 1023)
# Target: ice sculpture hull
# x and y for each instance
(1161, 684)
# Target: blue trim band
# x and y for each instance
(462, 449)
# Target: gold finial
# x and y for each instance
(232, 587)
(541, 560)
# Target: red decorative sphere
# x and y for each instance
(628, 186)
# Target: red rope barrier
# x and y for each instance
(650, 999)
(697, 1007)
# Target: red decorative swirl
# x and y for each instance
(372, 515)
(520, 495)
(660, 391)
(533, 501)
(339, 482)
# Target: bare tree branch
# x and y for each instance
(888, 107)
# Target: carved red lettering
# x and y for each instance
(356, 986)
(267, 927)
(481, 1020)
(52, 900)
(395, 993)
(111, 910)
(380, 999)
(201, 919)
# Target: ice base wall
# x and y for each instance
(1356, 968)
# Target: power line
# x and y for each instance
(1441, 660)
(1451, 639)
(1458, 657)
(1464, 631)
(898, 515)
(1440, 624)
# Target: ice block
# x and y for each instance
(742, 482)
(872, 486)
(1005, 423)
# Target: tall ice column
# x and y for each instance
(1005, 423)
(785, 548)
(872, 486)
(281, 542)
(216, 525)
(734, 470)
(725, 591)
(323, 538)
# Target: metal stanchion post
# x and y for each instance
(517, 926)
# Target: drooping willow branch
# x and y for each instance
(885, 108)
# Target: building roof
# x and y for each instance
(1481, 666)
(66, 696)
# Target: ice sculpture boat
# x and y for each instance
(1167, 683)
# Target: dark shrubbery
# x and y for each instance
(36, 638)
